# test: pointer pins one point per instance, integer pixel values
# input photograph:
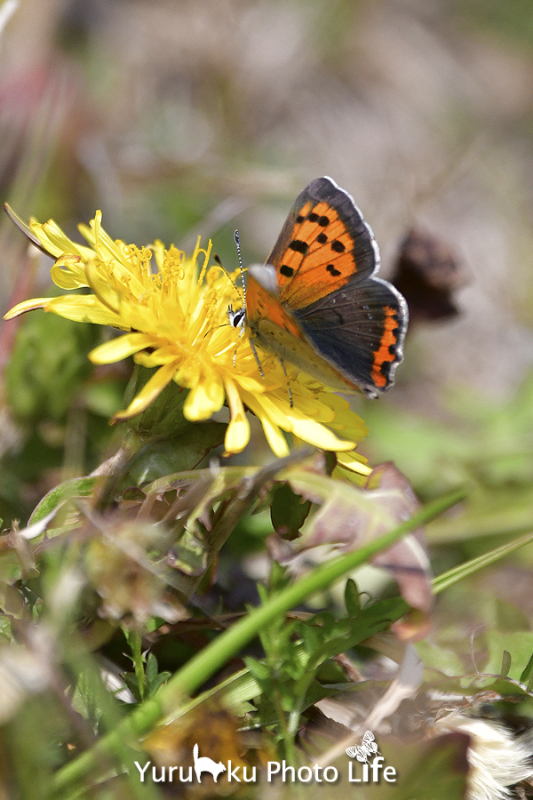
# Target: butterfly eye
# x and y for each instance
(236, 318)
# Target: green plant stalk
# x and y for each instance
(135, 642)
(213, 657)
(456, 574)
(286, 737)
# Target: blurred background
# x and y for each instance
(180, 118)
(186, 118)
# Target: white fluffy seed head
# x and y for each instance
(496, 758)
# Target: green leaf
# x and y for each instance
(158, 681)
(528, 671)
(5, 628)
(259, 670)
(311, 638)
(76, 487)
(164, 416)
(48, 365)
(288, 512)
(440, 658)
(225, 646)
(518, 646)
(132, 683)
(177, 453)
(352, 599)
(506, 664)
(152, 668)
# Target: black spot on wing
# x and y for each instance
(338, 246)
(324, 190)
(299, 246)
(287, 271)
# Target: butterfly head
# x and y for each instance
(237, 318)
(265, 275)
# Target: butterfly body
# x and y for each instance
(278, 330)
(317, 303)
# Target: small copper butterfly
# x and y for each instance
(317, 302)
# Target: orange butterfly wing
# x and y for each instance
(324, 244)
(323, 309)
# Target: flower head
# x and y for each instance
(174, 314)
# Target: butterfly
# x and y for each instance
(368, 748)
(317, 302)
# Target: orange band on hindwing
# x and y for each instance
(386, 354)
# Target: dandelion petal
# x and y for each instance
(149, 392)
(275, 438)
(119, 348)
(27, 305)
(238, 432)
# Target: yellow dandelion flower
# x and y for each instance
(174, 314)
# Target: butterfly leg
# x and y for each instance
(288, 383)
(235, 351)
(254, 351)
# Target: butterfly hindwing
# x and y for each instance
(360, 329)
(324, 244)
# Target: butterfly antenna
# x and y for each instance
(218, 261)
(239, 256)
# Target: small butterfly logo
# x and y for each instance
(367, 749)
